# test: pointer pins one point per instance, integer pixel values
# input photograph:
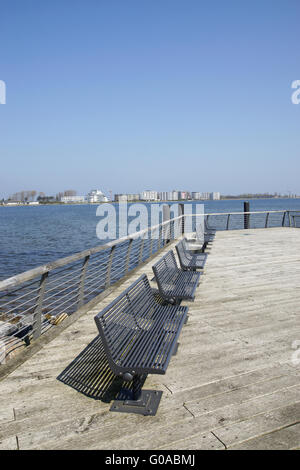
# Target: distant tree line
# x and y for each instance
(250, 196)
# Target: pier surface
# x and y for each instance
(234, 383)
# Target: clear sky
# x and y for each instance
(126, 95)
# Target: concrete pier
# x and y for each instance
(234, 383)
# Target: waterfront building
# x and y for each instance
(163, 195)
(215, 196)
(95, 196)
(183, 195)
(196, 195)
(72, 199)
(133, 197)
(175, 195)
(149, 195)
(120, 197)
(126, 197)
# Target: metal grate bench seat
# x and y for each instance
(139, 337)
(173, 283)
(189, 261)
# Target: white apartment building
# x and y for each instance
(215, 196)
(149, 195)
(95, 196)
(168, 196)
(205, 196)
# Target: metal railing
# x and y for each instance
(254, 219)
(34, 301)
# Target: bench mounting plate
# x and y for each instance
(146, 405)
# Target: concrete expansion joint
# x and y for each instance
(187, 409)
(223, 443)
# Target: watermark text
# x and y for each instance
(296, 94)
(2, 92)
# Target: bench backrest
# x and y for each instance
(206, 226)
(123, 320)
(166, 270)
(182, 251)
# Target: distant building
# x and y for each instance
(72, 199)
(149, 195)
(121, 197)
(163, 196)
(126, 197)
(183, 195)
(133, 197)
(215, 196)
(196, 196)
(95, 196)
(168, 195)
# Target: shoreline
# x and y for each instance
(147, 202)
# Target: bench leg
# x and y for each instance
(137, 387)
(144, 402)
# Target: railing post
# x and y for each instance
(227, 225)
(141, 251)
(290, 221)
(37, 314)
(109, 263)
(246, 216)
(267, 220)
(128, 255)
(82, 281)
(283, 219)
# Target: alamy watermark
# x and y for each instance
(119, 221)
(2, 92)
(296, 94)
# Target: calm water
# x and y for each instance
(31, 236)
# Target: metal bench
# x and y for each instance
(203, 234)
(173, 283)
(209, 230)
(188, 260)
(203, 237)
(139, 337)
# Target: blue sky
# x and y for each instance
(127, 95)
